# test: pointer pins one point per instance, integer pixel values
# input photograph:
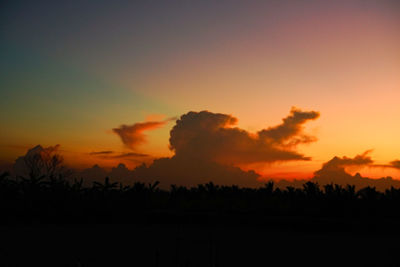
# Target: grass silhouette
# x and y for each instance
(46, 199)
(146, 216)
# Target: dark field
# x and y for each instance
(274, 242)
(53, 222)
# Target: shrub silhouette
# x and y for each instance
(48, 194)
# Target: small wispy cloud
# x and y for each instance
(109, 154)
(133, 135)
(101, 152)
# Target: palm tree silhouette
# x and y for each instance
(106, 186)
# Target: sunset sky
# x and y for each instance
(108, 80)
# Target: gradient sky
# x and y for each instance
(72, 71)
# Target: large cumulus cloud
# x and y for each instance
(208, 147)
(206, 135)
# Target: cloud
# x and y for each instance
(338, 163)
(96, 173)
(208, 147)
(359, 160)
(188, 172)
(289, 133)
(395, 164)
(121, 174)
(133, 135)
(95, 153)
(117, 155)
(130, 155)
(334, 172)
(206, 135)
(89, 175)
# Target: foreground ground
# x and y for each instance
(273, 242)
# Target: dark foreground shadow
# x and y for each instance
(192, 245)
(50, 221)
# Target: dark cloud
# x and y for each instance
(188, 172)
(101, 152)
(338, 163)
(137, 158)
(395, 164)
(334, 172)
(289, 133)
(133, 135)
(206, 135)
(130, 155)
(121, 174)
(96, 173)
(89, 175)
(208, 147)
(117, 155)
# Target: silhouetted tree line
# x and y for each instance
(49, 198)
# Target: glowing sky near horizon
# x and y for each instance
(71, 72)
